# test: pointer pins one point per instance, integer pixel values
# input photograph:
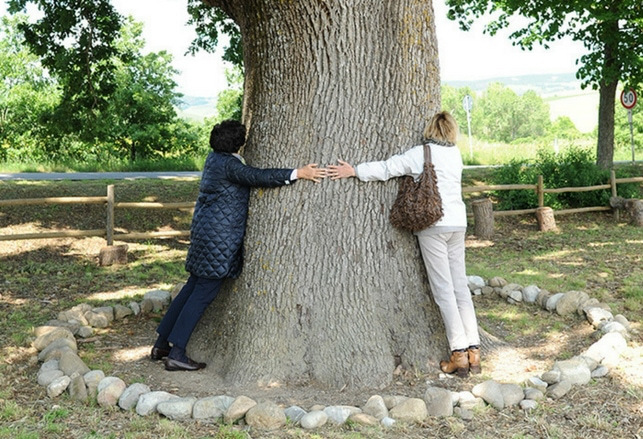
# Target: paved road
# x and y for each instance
(97, 175)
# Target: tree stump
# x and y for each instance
(483, 218)
(635, 209)
(113, 254)
(546, 220)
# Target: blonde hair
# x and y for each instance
(442, 127)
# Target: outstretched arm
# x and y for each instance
(343, 170)
(312, 172)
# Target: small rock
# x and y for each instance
(574, 370)
(96, 320)
(387, 422)
(49, 365)
(135, 307)
(238, 409)
(78, 389)
(85, 331)
(130, 396)
(536, 383)
(614, 326)
(512, 394)
(438, 401)
(551, 377)
(58, 386)
(107, 311)
(314, 419)
(528, 404)
(159, 298)
(497, 282)
(491, 392)
(570, 302)
(57, 345)
(542, 298)
(609, 346)
(620, 318)
(294, 414)
(475, 282)
(597, 315)
(120, 312)
(391, 401)
(535, 394)
(176, 408)
(266, 416)
(468, 401)
(530, 293)
(147, 402)
(71, 363)
(338, 414)
(363, 419)
(44, 340)
(507, 289)
(376, 407)
(515, 296)
(211, 408)
(559, 390)
(552, 302)
(412, 410)
(110, 390)
(49, 376)
(600, 372)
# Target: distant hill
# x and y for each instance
(561, 91)
(544, 85)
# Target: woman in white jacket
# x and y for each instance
(442, 244)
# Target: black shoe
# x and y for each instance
(159, 353)
(172, 365)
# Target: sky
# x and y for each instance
(463, 55)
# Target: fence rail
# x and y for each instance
(111, 205)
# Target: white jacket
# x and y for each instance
(448, 168)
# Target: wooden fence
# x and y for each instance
(112, 205)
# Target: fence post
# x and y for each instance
(110, 214)
(617, 212)
(541, 192)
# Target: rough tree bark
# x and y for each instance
(607, 98)
(331, 294)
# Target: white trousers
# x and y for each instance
(443, 256)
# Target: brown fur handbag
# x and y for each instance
(418, 204)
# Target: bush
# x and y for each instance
(574, 167)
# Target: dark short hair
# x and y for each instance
(228, 136)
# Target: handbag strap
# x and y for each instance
(427, 154)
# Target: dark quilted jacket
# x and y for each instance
(219, 221)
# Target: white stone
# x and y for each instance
(314, 419)
(147, 402)
(376, 407)
(58, 386)
(211, 408)
(528, 404)
(338, 414)
(439, 401)
(238, 409)
(130, 396)
(552, 302)
(530, 293)
(266, 416)
(49, 376)
(491, 392)
(176, 408)
(574, 370)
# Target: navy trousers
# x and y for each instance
(187, 308)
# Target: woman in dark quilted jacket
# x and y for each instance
(216, 235)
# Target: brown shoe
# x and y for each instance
(474, 360)
(458, 364)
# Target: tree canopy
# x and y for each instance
(611, 31)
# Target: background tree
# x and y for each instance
(75, 42)
(331, 294)
(141, 111)
(26, 93)
(611, 31)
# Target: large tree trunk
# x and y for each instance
(607, 98)
(331, 294)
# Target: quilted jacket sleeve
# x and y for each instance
(245, 175)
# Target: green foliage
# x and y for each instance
(210, 22)
(75, 40)
(574, 167)
(25, 91)
(502, 115)
(230, 101)
(612, 33)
